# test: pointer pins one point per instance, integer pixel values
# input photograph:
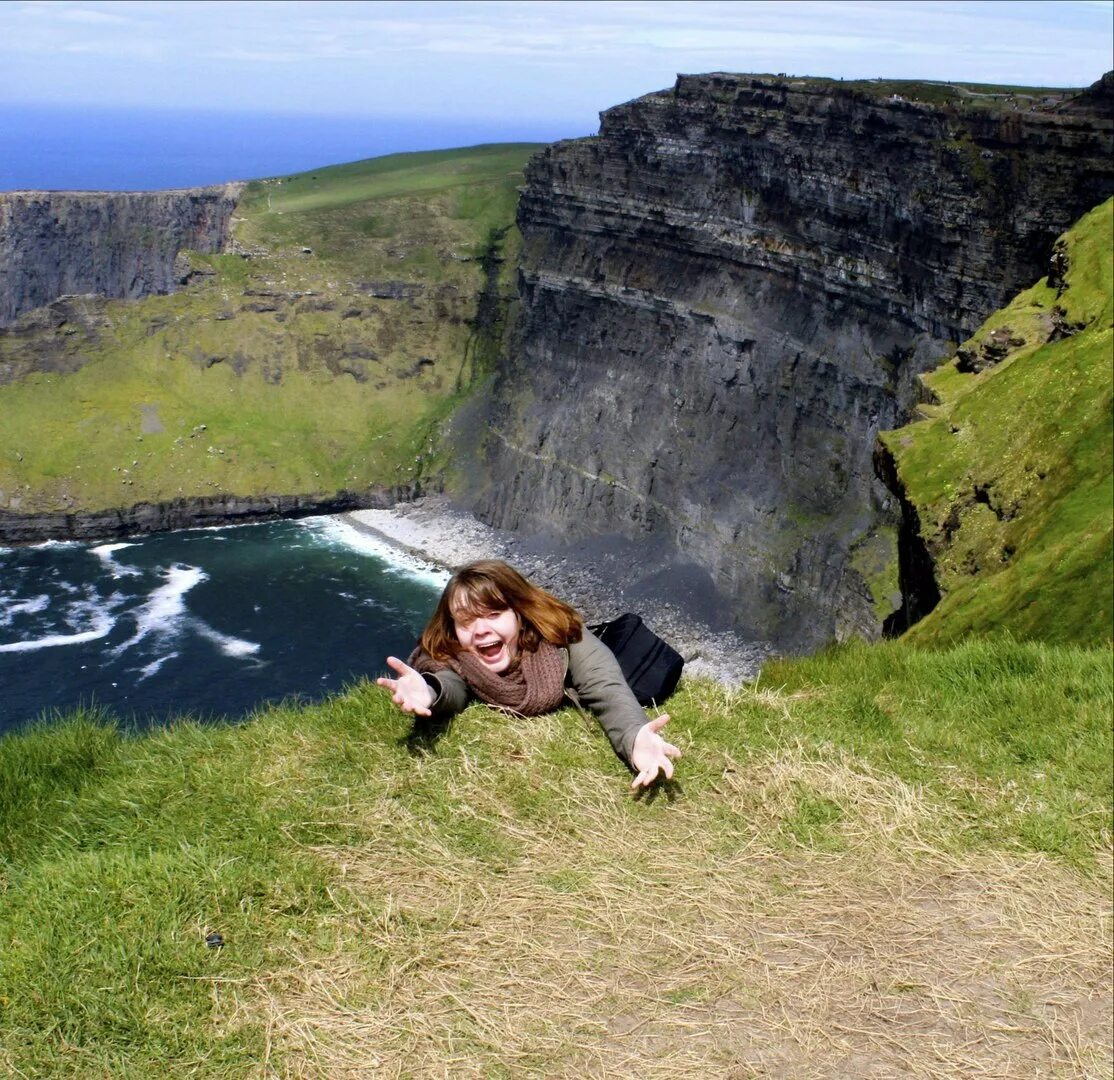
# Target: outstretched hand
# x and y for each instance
(652, 754)
(410, 692)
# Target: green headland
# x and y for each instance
(316, 358)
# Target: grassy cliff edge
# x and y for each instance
(879, 860)
(876, 834)
(1010, 472)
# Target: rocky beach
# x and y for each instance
(600, 580)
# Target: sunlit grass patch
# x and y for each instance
(874, 851)
(1015, 735)
(388, 176)
(1011, 474)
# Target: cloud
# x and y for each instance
(323, 55)
(64, 13)
(237, 55)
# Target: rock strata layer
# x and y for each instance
(189, 513)
(729, 292)
(115, 244)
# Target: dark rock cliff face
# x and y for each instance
(116, 244)
(729, 292)
(189, 513)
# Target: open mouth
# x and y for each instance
(490, 650)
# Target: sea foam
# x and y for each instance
(230, 646)
(102, 626)
(116, 569)
(334, 530)
(164, 616)
(165, 608)
(150, 669)
(32, 606)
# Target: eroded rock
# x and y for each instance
(114, 244)
(730, 291)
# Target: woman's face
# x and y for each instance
(491, 635)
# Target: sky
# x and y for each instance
(553, 63)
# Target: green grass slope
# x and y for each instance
(873, 843)
(1011, 472)
(318, 357)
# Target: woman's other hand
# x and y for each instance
(652, 754)
(410, 692)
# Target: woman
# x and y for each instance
(497, 637)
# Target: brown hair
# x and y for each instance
(492, 585)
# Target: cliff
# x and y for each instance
(728, 293)
(309, 365)
(1006, 475)
(115, 244)
(191, 513)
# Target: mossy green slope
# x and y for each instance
(318, 357)
(1010, 473)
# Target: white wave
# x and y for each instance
(23, 607)
(334, 530)
(105, 552)
(163, 613)
(230, 646)
(56, 544)
(88, 619)
(151, 668)
(226, 527)
(80, 613)
(102, 627)
(377, 605)
(164, 616)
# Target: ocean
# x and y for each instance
(207, 623)
(103, 149)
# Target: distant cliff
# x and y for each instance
(728, 293)
(310, 363)
(116, 244)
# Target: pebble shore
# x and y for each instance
(435, 531)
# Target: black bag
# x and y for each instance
(652, 667)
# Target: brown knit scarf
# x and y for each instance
(534, 685)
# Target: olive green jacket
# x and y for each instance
(593, 680)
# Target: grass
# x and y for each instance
(962, 95)
(418, 212)
(877, 836)
(390, 176)
(155, 418)
(1011, 473)
(312, 371)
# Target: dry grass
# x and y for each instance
(691, 938)
(895, 865)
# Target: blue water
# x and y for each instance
(55, 148)
(204, 622)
